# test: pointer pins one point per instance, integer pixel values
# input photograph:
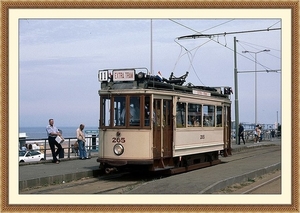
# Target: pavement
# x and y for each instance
(70, 169)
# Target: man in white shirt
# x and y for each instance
(52, 133)
(81, 143)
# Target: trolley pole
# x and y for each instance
(236, 100)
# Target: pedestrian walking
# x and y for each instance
(52, 133)
(81, 142)
(272, 134)
(241, 133)
(257, 133)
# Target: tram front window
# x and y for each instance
(105, 116)
(119, 111)
(125, 111)
(134, 110)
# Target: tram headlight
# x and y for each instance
(118, 149)
(141, 75)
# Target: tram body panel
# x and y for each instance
(194, 141)
(137, 144)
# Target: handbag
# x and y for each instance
(59, 139)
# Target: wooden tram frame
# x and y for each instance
(163, 96)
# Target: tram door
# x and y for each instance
(162, 128)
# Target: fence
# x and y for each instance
(249, 135)
(91, 146)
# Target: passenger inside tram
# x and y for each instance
(134, 118)
(207, 121)
(147, 112)
(134, 112)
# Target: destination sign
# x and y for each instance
(197, 92)
(123, 75)
(103, 75)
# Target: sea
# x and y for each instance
(40, 132)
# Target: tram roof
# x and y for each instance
(126, 79)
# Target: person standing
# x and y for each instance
(257, 134)
(81, 142)
(241, 133)
(52, 133)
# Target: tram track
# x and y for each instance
(269, 183)
(262, 185)
(116, 183)
(249, 153)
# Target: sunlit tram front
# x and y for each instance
(151, 123)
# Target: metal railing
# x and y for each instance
(68, 148)
(249, 135)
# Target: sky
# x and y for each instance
(59, 61)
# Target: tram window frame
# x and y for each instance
(219, 116)
(119, 112)
(105, 107)
(146, 103)
(194, 115)
(181, 114)
(134, 110)
(209, 115)
(111, 112)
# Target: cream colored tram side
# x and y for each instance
(172, 126)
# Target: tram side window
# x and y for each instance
(180, 114)
(105, 113)
(208, 115)
(119, 111)
(219, 116)
(147, 111)
(134, 117)
(194, 115)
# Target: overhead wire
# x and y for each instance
(212, 38)
(251, 45)
(183, 25)
(274, 24)
(242, 55)
(193, 36)
(253, 58)
(190, 59)
(189, 51)
(218, 25)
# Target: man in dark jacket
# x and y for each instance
(241, 133)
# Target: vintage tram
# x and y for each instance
(151, 123)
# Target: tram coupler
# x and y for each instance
(109, 170)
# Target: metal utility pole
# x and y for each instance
(236, 100)
(151, 49)
(255, 96)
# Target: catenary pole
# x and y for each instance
(151, 49)
(236, 100)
